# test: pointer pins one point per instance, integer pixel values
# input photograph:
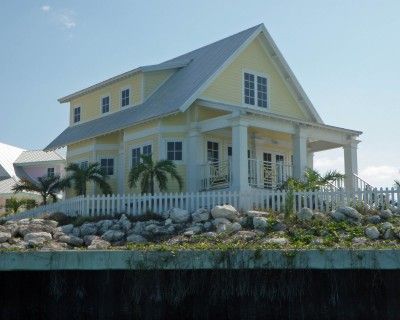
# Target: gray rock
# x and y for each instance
(350, 213)
(71, 240)
(35, 226)
(305, 214)
(76, 232)
(99, 244)
(222, 228)
(337, 216)
(115, 227)
(386, 225)
(136, 238)
(104, 225)
(254, 213)
(375, 219)
(54, 246)
(168, 222)
(277, 241)
(50, 223)
(139, 227)
(88, 229)
(40, 236)
(210, 234)
(89, 239)
(359, 240)
(218, 221)
(124, 223)
(179, 215)
(67, 229)
(279, 226)
(260, 223)
(200, 215)
(372, 232)
(225, 211)
(113, 235)
(207, 226)
(386, 214)
(151, 228)
(388, 234)
(4, 236)
(245, 235)
(235, 227)
(196, 229)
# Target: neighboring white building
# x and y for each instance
(17, 163)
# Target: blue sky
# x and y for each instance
(344, 53)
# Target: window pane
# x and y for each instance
(261, 92)
(248, 88)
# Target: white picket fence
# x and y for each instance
(261, 199)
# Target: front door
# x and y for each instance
(267, 170)
(280, 168)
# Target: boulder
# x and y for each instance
(235, 227)
(207, 226)
(76, 232)
(54, 246)
(277, 241)
(255, 213)
(244, 235)
(67, 228)
(136, 238)
(99, 244)
(337, 215)
(139, 227)
(35, 226)
(219, 221)
(279, 226)
(200, 215)
(372, 232)
(113, 235)
(196, 229)
(43, 236)
(104, 225)
(168, 222)
(359, 240)
(124, 223)
(350, 213)
(260, 223)
(386, 214)
(71, 240)
(305, 214)
(179, 215)
(375, 219)
(4, 236)
(89, 239)
(225, 211)
(88, 229)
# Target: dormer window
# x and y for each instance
(125, 97)
(255, 90)
(77, 114)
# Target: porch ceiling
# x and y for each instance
(320, 145)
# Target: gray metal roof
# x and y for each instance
(33, 156)
(174, 93)
(8, 154)
(6, 185)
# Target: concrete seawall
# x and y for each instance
(197, 260)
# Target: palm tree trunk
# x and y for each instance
(44, 198)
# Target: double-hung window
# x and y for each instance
(174, 150)
(125, 97)
(84, 164)
(255, 90)
(107, 165)
(77, 114)
(50, 172)
(105, 104)
(136, 152)
(212, 151)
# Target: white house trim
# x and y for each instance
(92, 148)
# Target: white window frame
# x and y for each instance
(141, 151)
(101, 104)
(183, 149)
(114, 165)
(256, 74)
(219, 141)
(130, 97)
(73, 114)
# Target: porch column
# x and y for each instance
(350, 165)
(240, 180)
(121, 165)
(194, 156)
(310, 159)
(299, 153)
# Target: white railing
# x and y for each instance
(215, 175)
(263, 199)
(361, 184)
(265, 174)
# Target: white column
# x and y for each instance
(121, 165)
(310, 159)
(350, 165)
(299, 153)
(194, 156)
(240, 169)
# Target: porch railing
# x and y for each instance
(215, 175)
(266, 174)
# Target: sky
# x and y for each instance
(344, 53)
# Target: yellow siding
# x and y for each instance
(91, 103)
(228, 86)
(153, 80)
(174, 120)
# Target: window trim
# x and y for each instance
(256, 74)
(73, 114)
(101, 104)
(219, 148)
(114, 165)
(183, 148)
(130, 97)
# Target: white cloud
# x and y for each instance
(46, 8)
(324, 164)
(380, 176)
(67, 19)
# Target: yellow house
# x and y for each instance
(230, 115)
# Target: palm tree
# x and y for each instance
(13, 204)
(80, 176)
(149, 172)
(46, 186)
(313, 180)
(397, 184)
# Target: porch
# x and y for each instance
(244, 150)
